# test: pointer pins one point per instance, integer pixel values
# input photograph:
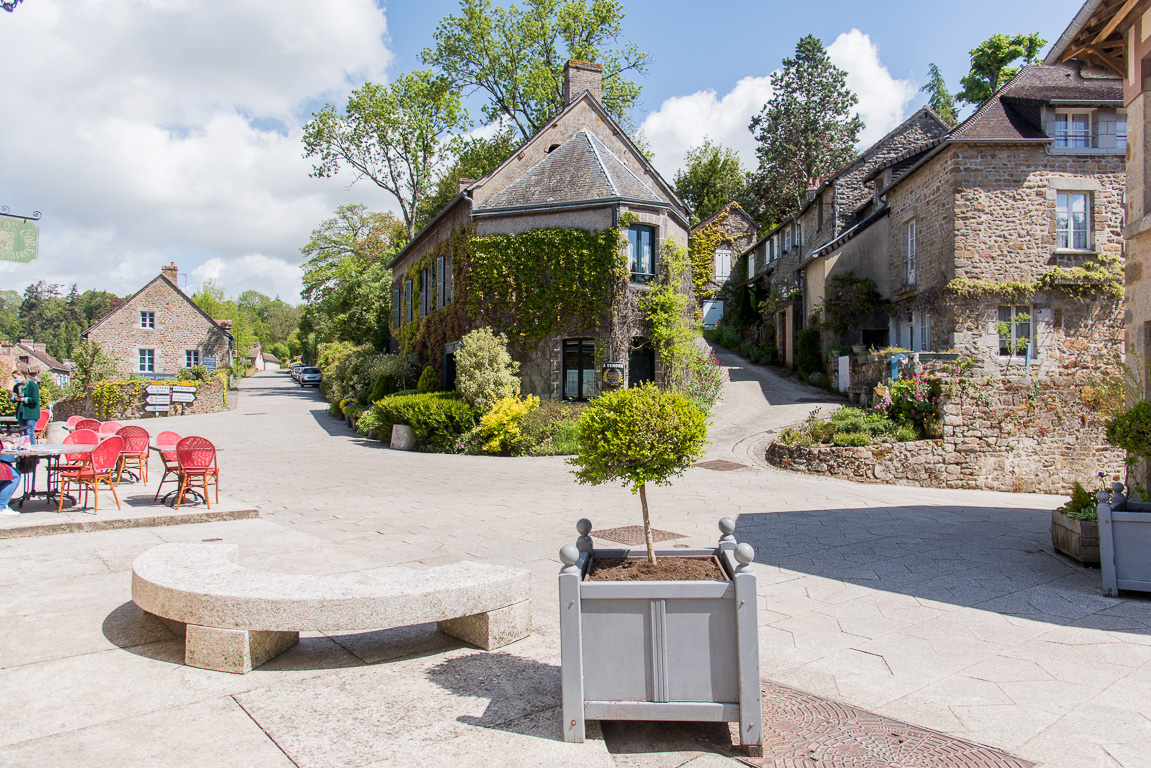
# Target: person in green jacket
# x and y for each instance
(27, 403)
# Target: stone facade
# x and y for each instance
(161, 318)
(1011, 436)
(734, 232)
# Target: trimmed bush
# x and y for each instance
(856, 439)
(429, 381)
(385, 385)
(552, 429)
(500, 427)
(437, 419)
(485, 372)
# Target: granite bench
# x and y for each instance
(234, 618)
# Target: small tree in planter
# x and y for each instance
(638, 436)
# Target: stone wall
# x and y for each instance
(1013, 435)
(211, 397)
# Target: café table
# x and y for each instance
(30, 458)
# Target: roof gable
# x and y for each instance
(170, 286)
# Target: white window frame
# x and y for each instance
(787, 239)
(1013, 311)
(921, 321)
(1067, 136)
(191, 357)
(722, 265)
(143, 354)
(150, 316)
(910, 251)
(798, 235)
(1067, 237)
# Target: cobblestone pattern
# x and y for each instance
(801, 729)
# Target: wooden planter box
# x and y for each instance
(1124, 543)
(1078, 539)
(660, 650)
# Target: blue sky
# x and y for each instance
(150, 131)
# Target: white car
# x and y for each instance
(310, 376)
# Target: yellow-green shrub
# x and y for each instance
(500, 427)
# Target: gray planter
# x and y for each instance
(1124, 542)
(1078, 539)
(660, 650)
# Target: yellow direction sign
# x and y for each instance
(18, 240)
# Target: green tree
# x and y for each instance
(92, 364)
(638, 436)
(392, 135)
(485, 372)
(806, 131)
(348, 243)
(475, 158)
(516, 55)
(991, 63)
(939, 98)
(711, 177)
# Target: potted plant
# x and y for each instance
(1075, 527)
(647, 634)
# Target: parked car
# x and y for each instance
(296, 370)
(310, 376)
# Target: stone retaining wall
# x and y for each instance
(1013, 435)
(210, 398)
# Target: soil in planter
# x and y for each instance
(665, 569)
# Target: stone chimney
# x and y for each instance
(171, 273)
(224, 323)
(40, 348)
(580, 76)
(464, 184)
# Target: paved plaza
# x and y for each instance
(946, 610)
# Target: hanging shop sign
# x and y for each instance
(19, 241)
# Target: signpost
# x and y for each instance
(158, 389)
(155, 408)
(19, 241)
(183, 397)
(158, 400)
(184, 388)
(210, 363)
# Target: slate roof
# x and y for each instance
(580, 169)
(50, 362)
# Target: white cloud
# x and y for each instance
(682, 122)
(275, 277)
(883, 100)
(156, 130)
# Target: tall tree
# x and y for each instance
(806, 131)
(939, 98)
(392, 135)
(991, 63)
(711, 177)
(515, 55)
(348, 243)
(475, 158)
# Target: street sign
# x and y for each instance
(19, 240)
(155, 408)
(157, 389)
(210, 363)
(183, 388)
(183, 397)
(158, 400)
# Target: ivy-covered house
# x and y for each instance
(715, 246)
(556, 248)
(1004, 237)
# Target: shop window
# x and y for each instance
(579, 369)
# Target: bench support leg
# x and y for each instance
(233, 650)
(493, 629)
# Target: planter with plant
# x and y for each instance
(1124, 525)
(1075, 527)
(650, 634)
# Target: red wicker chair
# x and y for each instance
(91, 424)
(42, 422)
(74, 461)
(73, 421)
(105, 458)
(135, 453)
(109, 428)
(168, 459)
(197, 459)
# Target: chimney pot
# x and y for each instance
(580, 76)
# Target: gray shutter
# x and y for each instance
(450, 284)
(440, 282)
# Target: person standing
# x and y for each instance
(28, 404)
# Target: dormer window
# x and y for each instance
(1073, 130)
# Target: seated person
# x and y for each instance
(9, 475)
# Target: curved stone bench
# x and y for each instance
(236, 618)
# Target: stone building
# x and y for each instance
(778, 263)
(30, 357)
(1004, 238)
(715, 245)
(578, 183)
(160, 330)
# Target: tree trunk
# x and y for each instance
(647, 525)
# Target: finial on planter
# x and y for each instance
(1102, 496)
(744, 555)
(1117, 487)
(727, 528)
(569, 555)
(584, 542)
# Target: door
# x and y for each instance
(640, 364)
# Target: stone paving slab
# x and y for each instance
(136, 511)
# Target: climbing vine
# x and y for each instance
(1102, 275)
(701, 250)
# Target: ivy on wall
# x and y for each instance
(701, 249)
(1103, 275)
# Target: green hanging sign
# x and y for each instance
(18, 240)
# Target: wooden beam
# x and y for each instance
(1108, 61)
(1115, 21)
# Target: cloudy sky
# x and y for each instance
(150, 131)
